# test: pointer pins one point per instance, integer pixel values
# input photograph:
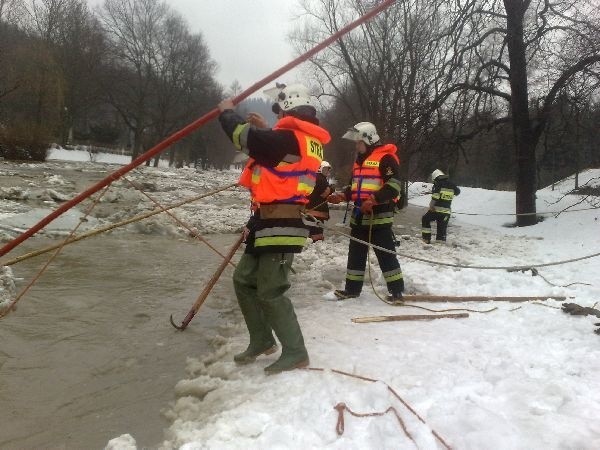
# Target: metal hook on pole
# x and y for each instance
(213, 280)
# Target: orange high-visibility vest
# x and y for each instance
(366, 177)
(245, 180)
(293, 179)
(246, 175)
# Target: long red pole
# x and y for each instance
(187, 130)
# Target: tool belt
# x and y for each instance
(280, 211)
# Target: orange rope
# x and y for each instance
(394, 393)
(340, 407)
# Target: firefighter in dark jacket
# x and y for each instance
(317, 201)
(442, 194)
(285, 163)
(374, 189)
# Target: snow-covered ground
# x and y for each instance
(523, 376)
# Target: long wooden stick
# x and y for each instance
(178, 135)
(408, 317)
(213, 280)
(477, 298)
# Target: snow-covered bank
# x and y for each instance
(520, 377)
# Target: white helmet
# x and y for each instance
(362, 131)
(436, 173)
(293, 96)
(324, 165)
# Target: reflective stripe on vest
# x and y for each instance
(280, 236)
(366, 177)
(377, 219)
(443, 199)
(246, 176)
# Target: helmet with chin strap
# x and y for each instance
(362, 131)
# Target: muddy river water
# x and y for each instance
(90, 353)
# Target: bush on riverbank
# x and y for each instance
(19, 143)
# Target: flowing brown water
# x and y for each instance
(90, 354)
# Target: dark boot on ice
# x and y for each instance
(343, 294)
(287, 362)
(254, 350)
(395, 299)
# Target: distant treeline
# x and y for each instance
(436, 77)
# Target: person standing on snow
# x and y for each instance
(286, 160)
(442, 194)
(317, 201)
(374, 188)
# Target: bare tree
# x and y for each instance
(11, 11)
(183, 78)
(132, 27)
(396, 70)
(73, 38)
(508, 52)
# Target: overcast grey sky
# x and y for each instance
(247, 38)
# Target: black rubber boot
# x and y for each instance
(395, 299)
(343, 294)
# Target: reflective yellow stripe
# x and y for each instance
(370, 185)
(446, 194)
(306, 184)
(355, 277)
(237, 133)
(393, 278)
(279, 241)
(394, 184)
(368, 221)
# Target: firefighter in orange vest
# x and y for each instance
(374, 189)
(286, 160)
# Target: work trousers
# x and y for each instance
(441, 220)
(260, 283)
(388, 262)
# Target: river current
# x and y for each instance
(90, 353)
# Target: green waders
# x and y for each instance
(260, 282)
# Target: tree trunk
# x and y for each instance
(523, 133)
(137, 143)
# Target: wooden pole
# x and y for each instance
(408, 317)
(178, 135)
(477, 298)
